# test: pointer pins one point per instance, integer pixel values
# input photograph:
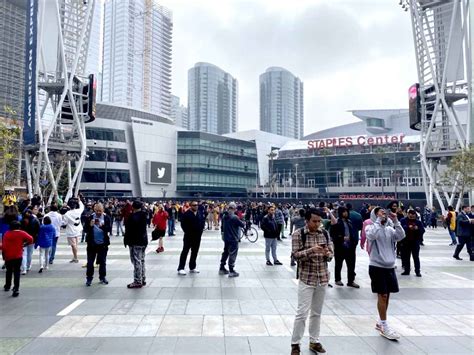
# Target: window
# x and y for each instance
(105, 134)
(113, 176)
(113, 155)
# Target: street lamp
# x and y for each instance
(106, 161)
(296, 180)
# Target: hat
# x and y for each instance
(232, 205)
(136, 205)
(411, 210)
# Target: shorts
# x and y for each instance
(384, 280)
(157, 234)
(72, 241)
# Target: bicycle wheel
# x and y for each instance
(252, 235)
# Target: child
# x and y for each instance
(45, 238)
(13, 242)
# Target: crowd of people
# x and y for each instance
(319, 233)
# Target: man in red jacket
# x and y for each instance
(160, 220)
(12, 250)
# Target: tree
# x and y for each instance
(9, 136)
(461, 169)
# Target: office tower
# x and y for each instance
(179, 113)
(93, 62)
(137, 55)
(212, 99)
(12, 57)
(281, 103)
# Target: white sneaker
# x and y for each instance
(194, 271)
(181, 272)
(23, 272)
(389, 333)
(378, 327)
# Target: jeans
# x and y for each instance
(99, 252)
(310, 298)
(44, 257)
(230, 252)
(452, 234)
(171, 223)
(271, 243)
(118, 224)
(349, 255)
(52, 250)
(137, 256)
(192, 242)
(13, 268)
(27, 255)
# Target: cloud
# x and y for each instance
(349, 54)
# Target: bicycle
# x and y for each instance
(249, 232)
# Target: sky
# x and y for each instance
(350, 54)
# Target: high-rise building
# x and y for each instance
(281, 103)
(137, 55)
(179, 113)
(12, 57)
(93, 59)
(212, 99)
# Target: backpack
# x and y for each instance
(303, 241)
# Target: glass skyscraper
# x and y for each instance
(137, 55)
(281, 103)
(179, 113)
(212, 99)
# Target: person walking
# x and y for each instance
(172, 217)
(450, 220)
(271, 232)
(410, 245)
(72, 220)
(46, 235)
(136, 238)
(98, 231)
(56, 221)
(313, 249)
(159, 221)
(382, 237)
(12, 251)
(193, 224)
(31, 225)
(231, 226)
(464, 233)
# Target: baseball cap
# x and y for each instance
(232, 205)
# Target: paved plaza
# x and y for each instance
(211, 314)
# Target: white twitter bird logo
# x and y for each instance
(161, 172)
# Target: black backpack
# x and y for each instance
(303, 241)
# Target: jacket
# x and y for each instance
(12, 244)
(231, 225)
(412, 235)
(356, 219)
(279, 217)
(337, 232)
(106, 228)
(382, 240)
(160, 220)
(72, 220)
(192, 224)
(135, 229)
(31, 225)
(46, 235)
(269, 227)
(463, 225)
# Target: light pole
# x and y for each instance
(106, 161)
(408, 185)
(296, 180)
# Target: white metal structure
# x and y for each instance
(443, 53)
(62, 43)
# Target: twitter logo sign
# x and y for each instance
(159, 173)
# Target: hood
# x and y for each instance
(373, 217)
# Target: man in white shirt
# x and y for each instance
(72, 220)
(57, 222)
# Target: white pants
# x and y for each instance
(310, 298)
(44, 257)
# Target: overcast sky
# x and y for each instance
(350, 54)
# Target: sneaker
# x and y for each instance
(23, 272)
(134, 285)
(293, 263)
(88, 283)
(457, 257)
(4, 267)
(51, 262)
(223, 271)
(317, 348)
(276, 262)
(15, 293)
(339, 283)
(72, 261)
(6, 289)
(389, 333)
(405, 273)
(194, 271)
(418, 274)
(269, 263)
(40, 270)
(353, 284)
(104, 281)
(143, 283)
(233, 274)
(378, 327)
(295, 349)
(181, 272)
(283, 237)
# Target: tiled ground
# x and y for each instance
(210, 314)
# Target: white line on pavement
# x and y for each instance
(456, 276)
(71, 307)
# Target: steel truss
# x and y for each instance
(443, 53)
(61, 143)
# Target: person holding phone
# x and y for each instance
(382, 236)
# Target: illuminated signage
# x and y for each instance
(354, 141)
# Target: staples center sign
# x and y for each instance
(353, 141)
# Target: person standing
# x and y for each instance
(46, 235)
(414, 231)
(72, 220)
(382, 237)
(12, 251)
(464, 233)
(31, 225)
(451, 224)
(56, 222)
(98, 230)
(313, 249)
(136, 238)
(159, 221)
(231, 226)
(193, 224)
(298, 221)
(271, 232)
(345, 239)
(172, 217)
(280, 221)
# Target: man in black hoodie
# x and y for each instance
(136, 238)
(192, 223)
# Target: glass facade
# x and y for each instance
(114, 176)
(112, 154)
(105, 134)
(213, 165)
